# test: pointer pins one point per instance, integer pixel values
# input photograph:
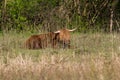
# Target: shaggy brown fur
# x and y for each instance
(41, 41)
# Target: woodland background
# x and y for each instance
(51, 15)
(96, 42)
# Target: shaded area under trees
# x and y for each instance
(50, 15)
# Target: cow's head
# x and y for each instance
(64, 37)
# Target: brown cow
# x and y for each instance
(51, 39)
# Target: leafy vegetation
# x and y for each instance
(51, 15)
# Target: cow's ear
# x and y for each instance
(56, 36)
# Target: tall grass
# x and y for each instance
(93, 57)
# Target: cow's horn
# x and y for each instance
(72, 29)
(57, 32)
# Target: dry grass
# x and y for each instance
(94, 57)
(61, 67)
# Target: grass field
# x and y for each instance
(93, 57)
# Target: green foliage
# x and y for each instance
(16, 17)
(55, 14)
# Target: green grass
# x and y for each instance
(92, 57)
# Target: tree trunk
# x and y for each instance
(111, 19)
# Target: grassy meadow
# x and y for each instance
(93, 56)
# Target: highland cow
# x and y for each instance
(51, 39)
